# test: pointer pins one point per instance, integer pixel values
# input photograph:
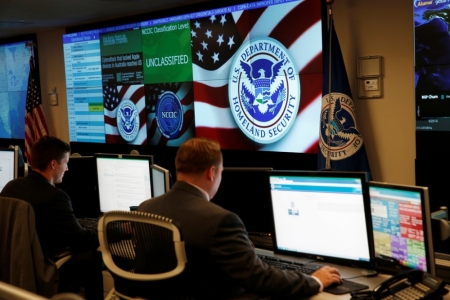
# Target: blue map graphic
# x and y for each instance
(14, 69)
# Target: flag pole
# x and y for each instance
(30, 44)
(330, 97)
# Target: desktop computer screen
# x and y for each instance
(401, 221)
(80, 184)
(8, 165)
(322, 215)
(122, 182)
(160, 180)
(243, 191)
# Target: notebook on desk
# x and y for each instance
(324, 216)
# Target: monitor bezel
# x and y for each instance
(148, 158)
(14, 150)
(166, 173)
(370, 264)
(393, 267)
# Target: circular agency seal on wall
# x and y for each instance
(128, 122)
(264, 90)
(169, 115)
(339, 135)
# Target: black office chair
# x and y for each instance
(22, 261)
(139, 247)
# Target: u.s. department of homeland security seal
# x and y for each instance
(339, 135)
(264, 90)
(128, 122)
(169, 115)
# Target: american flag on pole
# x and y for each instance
(35, 125)
(215, 40)
(112, 96)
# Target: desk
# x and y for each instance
(346, 272)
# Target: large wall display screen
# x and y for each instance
(432, 64)
(14, 72)
(247, 75)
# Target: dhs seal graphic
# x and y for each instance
(339, 135)
(128, 120)
(169, 115)
(264, 90)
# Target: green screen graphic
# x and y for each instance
(167, 53)
(121, 58)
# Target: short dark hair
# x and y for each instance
(46, 149)
(196, 155)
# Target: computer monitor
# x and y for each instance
(151, 158)
(8, 165)
(160, 180)
(80, 184)
(401, 221)
(323, 216)
(122, 181)
(242, 191)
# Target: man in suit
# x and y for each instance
(56, 224)
(221, 259)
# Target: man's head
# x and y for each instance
(49, 156)
(199, 162)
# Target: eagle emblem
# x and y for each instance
(262, 100)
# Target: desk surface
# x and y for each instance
(353, 274)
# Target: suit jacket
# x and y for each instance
(21, 259)
(220, 258)
(56, 224)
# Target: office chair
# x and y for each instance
(11, 292)
(139, 247)
(23, 263)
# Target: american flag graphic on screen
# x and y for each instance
(215, 39)
(112, 96)
(184, 92)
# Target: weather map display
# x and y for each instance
(14, 69)
(432, 64)
(248, 75)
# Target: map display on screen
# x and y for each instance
(14, 69)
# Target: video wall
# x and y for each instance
(432, 65)
(248, 75)
(14, 72)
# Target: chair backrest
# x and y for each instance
(21, 258)
(10, 292)
(138, 247)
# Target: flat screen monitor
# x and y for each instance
(122, 181)
(323, 216)
(80, 184)
(160, 180)
(242, 191)
(245, 73)
(14, 75)
(401, 221)
(8, 165)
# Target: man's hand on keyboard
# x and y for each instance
(328, 275)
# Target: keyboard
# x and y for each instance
(88, 223)
(289, 265)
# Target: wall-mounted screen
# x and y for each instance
(14, 72)
(432, 65)
(248, 75)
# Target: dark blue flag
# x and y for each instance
(341, 145)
